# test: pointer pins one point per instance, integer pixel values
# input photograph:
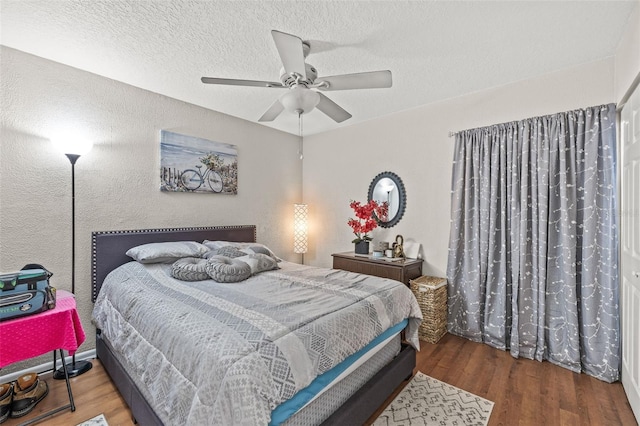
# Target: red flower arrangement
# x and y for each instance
(366, 222)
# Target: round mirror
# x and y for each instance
(387, 187)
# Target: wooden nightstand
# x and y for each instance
(400, 270)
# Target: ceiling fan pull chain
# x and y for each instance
(300, 147)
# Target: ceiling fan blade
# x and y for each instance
(291, 52)
(361, 80)
(235, 82)
(332, 109)
(274, 111)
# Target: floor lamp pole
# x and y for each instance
(73, 158)
(74, 368)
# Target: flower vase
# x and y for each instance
(362, 247)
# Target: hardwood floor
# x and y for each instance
(93, 394)
(525, 392)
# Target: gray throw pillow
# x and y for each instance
(248, 248)
(259, 262)
(229, 251)
(226, 270)
(190, 269)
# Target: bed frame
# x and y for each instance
(108, 252)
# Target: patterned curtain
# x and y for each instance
(533, 250)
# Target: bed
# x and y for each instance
(325, 386)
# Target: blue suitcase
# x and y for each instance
(25, 292)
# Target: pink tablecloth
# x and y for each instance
(34, 335)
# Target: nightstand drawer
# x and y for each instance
(400, 270)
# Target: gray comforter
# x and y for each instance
(210, 353)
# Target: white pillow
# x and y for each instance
(166, 252)
(248, 248)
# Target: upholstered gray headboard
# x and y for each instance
(108, 248)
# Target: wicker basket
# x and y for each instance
(431, 293)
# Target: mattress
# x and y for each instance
(326, 381)
(317, 411)
(198, 351)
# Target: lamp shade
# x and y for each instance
(72, 145)
(300, 215)
(300, 100)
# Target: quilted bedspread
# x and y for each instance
(210, 353)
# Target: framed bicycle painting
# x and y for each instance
(191, 164)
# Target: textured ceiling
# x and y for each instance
(435, 49)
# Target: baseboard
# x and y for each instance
(47, 366)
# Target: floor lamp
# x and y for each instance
(300, 214)
(73, 149)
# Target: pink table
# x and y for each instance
(34, 335)
(49, 331)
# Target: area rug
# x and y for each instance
(427, 401)
(96, 421)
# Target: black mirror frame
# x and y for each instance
(402, 194)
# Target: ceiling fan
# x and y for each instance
(301, 79)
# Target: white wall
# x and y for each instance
(627, 59)
(339, 165)
(117, 183)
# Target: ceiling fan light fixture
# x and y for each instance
(301, 79)
(300, 100)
